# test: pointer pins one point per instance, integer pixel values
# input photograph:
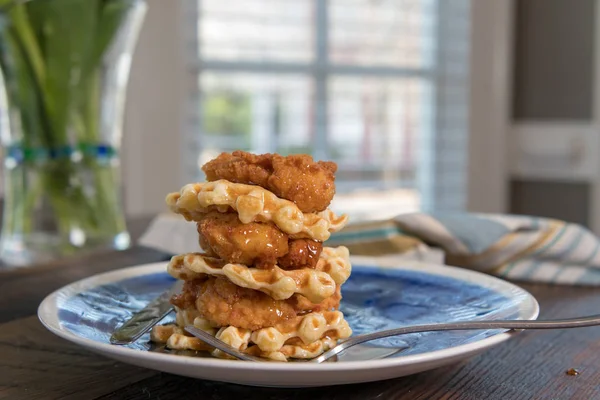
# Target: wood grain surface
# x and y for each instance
(35, 364)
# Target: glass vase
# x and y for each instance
(65, 66)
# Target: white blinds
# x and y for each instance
(379, 86)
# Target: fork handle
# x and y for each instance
(592, 320)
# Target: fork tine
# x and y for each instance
(334, 351)
(219, 344)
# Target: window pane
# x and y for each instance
(386, 32)
(397, 145)
(376, 126)
(255, 112)
(256, 30)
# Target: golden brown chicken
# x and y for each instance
(223, 304)
(302, 253)
(225, 236)
(297, 177)
(257, 244)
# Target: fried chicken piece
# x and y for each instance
(189, 294)
(205, 244)
(223, 304)
(303, 253)
(225, 236)
(296, 177)
(255, 244)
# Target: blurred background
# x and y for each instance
(434, 105)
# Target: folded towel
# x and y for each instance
(515, 247)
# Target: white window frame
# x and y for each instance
(433, 166)
(153, 154)
(320, 70)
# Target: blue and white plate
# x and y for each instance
(380, 294)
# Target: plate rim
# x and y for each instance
(48, 315)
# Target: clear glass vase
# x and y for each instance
(65, 66)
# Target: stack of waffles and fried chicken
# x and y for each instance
(264, 284)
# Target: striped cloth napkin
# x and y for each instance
(515, 247)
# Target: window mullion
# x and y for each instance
(320, 74)
(192, 127)
(275, 67)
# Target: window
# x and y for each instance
(379, 86)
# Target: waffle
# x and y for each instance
(305, 337)
(175, 338)
(335, 261)
(253, 204)
(297, 351)
(308, 329)
(316, 284)
(191, 316)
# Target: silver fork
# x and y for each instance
(582, 322)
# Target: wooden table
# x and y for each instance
(35, 364)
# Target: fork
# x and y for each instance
(581, 322)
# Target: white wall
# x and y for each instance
(491, 49)
(153, 117)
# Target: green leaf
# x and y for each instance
(66, 43)
(23, 88)
(21, 26)
(111, 14)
